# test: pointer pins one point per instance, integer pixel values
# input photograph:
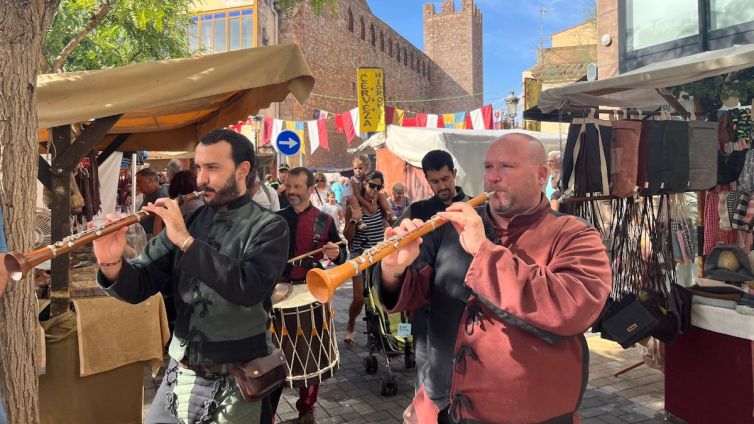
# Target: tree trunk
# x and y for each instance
(22, 27)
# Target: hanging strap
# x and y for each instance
(577, 149)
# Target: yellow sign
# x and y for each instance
(532, 88)
(371, 99)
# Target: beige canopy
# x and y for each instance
(638, 88)
(168, 104)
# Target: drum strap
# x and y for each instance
(320, 225)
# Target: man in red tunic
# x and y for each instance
(513, 285)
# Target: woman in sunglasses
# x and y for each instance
(362, 239)
(321, 189)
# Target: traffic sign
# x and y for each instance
(288, 143)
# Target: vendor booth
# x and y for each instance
(95, 346)
(644, 151)
(400, 151)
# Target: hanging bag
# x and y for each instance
(624, 157)
(586, 160)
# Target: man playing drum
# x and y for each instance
(301, 326)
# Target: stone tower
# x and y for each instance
(453, 40)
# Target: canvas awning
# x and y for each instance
(168, 104)
(638, 88)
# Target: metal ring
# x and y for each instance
(54, 250)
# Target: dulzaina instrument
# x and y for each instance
(322, 283)
(18, 264)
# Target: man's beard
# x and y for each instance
(295, 199)
(225, 195)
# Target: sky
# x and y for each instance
(511, 33)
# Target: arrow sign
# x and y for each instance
(288, 143)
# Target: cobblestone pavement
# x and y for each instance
(352, 396)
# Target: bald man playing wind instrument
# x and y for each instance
(512, 285)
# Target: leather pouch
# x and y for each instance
(259, 377)
(629, 321)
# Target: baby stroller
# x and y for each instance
(383, 338)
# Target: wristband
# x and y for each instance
(354, 221)
(110, 264)
(185, 243)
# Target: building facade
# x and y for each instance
(565, 62)
(445, 77)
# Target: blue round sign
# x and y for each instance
(288, 143)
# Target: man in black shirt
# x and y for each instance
(282, 177)
(441, 176)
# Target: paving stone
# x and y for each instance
(354, 397)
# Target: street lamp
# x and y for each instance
(511, 107)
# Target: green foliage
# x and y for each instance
(710, 91)
(133, 31)
(317, 5)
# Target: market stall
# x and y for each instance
(400, 151)
(643, 156)
(165, 105)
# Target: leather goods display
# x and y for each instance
(702, 147)
(624, 151)
(629, 321)
(586, 160)
(259, 377)
(667, 157)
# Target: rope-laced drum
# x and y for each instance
(304, 330)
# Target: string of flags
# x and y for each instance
(483, 118)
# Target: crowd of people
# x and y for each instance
(498, 300)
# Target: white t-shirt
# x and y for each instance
(267, 198)
(332, 210)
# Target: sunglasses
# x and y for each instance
(374, 186)
(320, 181)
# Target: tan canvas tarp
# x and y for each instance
(168, 104)
(638, 87)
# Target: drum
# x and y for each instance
(304, 330)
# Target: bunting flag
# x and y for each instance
(467, 122)
(247, 130)
(431, 121)
(277, 128)
(487, 116)
(398, 115)
(322, 128)
(340, 126)
(355, 117)
(348, 127)
(299, 130)
(449, 120)
(477, 120)
(389, 112)
(421, 119)
(497, 119)
(460, 120)
(267, 130)
(313, 135)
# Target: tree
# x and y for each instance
(107, 33)
(21, 33)
(96, 34)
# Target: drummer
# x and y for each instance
(311, 229)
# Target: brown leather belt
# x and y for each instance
(219, 369)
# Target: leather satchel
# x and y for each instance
(261, 376)
(629, 321)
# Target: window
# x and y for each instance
(398, 53)
(405, 57)
(651, 22)
(729, 13)
(656, 31)
(363, 29)
(382, 42)
(350, 20)
(372, 37)
(390, 47)
(224, 31)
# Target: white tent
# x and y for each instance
(467, 147)
(639, 88)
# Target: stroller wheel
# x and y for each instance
(388, 387)
(370, 364)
